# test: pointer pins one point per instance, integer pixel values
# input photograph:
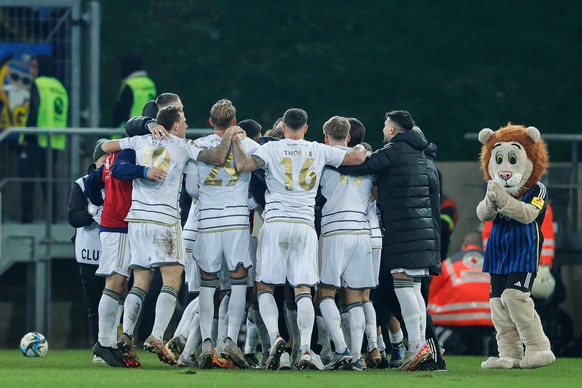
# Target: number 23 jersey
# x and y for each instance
(223, 191)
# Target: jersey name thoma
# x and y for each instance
(346, 208)
(223, 191)
(292, 173)
(152, 201)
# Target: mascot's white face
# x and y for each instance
(510, 166)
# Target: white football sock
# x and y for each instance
(108, 318)
(371, 328)
(421, 311)
(404, 289)
(252, 337)
(345, 325)
(331, 316)
(206, 307)
(132, 309)
(193, 337)
(236, 309)
(183, 327)
(291, 320)
(269, 313)
(396, 338)
(322, 334)
(115, 333)
(357, 328)
(222, 322)
(381, 344)
(263, 332)
(165, 306)
(305, 319)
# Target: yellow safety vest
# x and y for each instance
(53, 111)
(143, 89)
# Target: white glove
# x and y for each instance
(93, 209)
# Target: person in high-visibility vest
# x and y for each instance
(136, 90)
(49, 108)
(458, 300)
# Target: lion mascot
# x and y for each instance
(513, 159)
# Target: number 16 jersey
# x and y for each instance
(292, 173)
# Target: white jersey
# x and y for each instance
(152, 201)
(374, 224)
(223, 191)
(292, 173)
(191, 225)
(346, 208)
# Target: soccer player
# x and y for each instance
(154, 232)
(287, 241)
(115, 179)
(115, 257)
(346, 249)
(223, 235)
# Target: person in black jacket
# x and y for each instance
(410, 240)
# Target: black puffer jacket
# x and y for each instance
(402, 175)
(435, 203)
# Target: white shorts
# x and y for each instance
(190, 239)
(115, 254)
(192, 272)
(346, 261)
(153, 245)
(233, 245)
(376, 260)
(287, 251)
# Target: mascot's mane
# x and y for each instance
(534, 146)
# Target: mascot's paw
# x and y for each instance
(496, 194)
(500, 363)
(537, 359)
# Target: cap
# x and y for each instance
(98, 151)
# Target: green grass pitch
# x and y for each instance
(73, 368)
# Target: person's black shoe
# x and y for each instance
(431, 365)
(111, 356)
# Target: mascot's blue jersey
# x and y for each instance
(513, 246)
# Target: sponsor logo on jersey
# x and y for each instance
(538, 202)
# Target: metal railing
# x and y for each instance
(37, 236)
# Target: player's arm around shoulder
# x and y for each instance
(243, 162)
(217, 156)
(111, 146)
(355, 157)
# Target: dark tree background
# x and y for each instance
(457, 66)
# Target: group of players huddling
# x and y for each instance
(238, 185)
